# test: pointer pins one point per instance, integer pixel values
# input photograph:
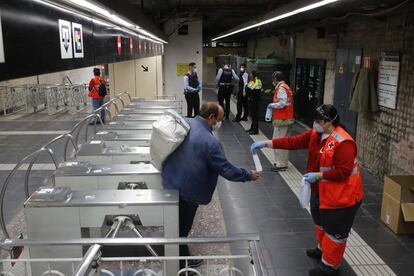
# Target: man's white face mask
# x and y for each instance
(242, 69)
(226, 67)
(216, 126)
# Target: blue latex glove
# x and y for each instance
(272, 105)
(255, 147)
(312, 177)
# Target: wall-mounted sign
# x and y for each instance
(131, 45)
(182, 69)
(65, 35)
(389, 69)
(139, 47)
(77, 40)
(119, 44)
(1, 43)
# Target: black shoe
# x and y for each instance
(323, 270)
(236, 120)
(243, 119)
(253, 132)
(248, 130)
(314, 253)
(278, 169)
(194, 263)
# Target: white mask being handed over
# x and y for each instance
(317, 127)
(216, 126)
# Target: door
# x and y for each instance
(146, 77)
(309, 88)
(348, 62)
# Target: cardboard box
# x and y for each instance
(397, 211)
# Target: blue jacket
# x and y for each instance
(193, 168)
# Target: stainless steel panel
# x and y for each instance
(102, 170)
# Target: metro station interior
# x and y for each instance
(208, 137)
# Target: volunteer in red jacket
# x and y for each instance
(93, 87)
(334, 174)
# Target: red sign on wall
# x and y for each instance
(131, 45)
(139, 47)
(119, 45)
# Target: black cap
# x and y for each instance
(326, 112)
(96, 71)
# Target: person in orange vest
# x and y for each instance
(97, 97)
(282, 118)
(334, 175)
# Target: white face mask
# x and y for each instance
(195, 70)
(241, 69)
(216, 126)
(226, 67)
(317, 127)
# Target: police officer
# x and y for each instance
(224, 80)
(242, 100)
(192, 87)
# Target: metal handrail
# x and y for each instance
(128, 241)
(125, 93)
(10, 176)
(78, 127)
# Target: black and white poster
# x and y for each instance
(1, 43)
(65, 34)
(77, 40)
(389, 70)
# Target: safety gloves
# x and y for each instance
(312, 177)
(255, 147)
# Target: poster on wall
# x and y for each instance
(182, 69)
(65, 39)
(1, 43)
(389, 69)
(77, 40)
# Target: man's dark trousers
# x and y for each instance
(242, 105)
(193, 103)
(187, 211)
(224, 94)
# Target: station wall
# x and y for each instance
(181, 50)
(385, 139)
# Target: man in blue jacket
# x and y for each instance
(194, 167)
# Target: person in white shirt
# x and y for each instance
(192, 87)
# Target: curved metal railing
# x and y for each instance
(31, 159)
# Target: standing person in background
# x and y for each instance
(283, 117)
(191, 88)
(335, 178)
(94, 92)
(254, 89)
(224, 80)
(242, 101)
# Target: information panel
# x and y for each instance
(389, 69)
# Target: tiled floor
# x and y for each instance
(270, 208)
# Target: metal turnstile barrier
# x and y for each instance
(36, 97)
(252, 262)
(13, 99)
(76, 98)
(56, 98)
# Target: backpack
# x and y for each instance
(102, 89)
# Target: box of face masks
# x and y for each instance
(397, 211)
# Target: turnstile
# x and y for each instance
(61, 213)
(148, 103)
(125, 127)
(142, 118)
(154, 110)
(97, 152)
(113, 139)
(83, 176)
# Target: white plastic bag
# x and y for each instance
(257, 163)
(269, 113)
(167, 134)
(304, 194)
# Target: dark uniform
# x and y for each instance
(192, 98)
(242, 100)
(225, 89)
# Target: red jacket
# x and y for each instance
(94, 87)
(345, 154)
(286, 113)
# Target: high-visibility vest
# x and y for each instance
(287, 112)
(338, 194)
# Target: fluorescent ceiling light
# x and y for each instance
(95, 8)
(279, 17)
